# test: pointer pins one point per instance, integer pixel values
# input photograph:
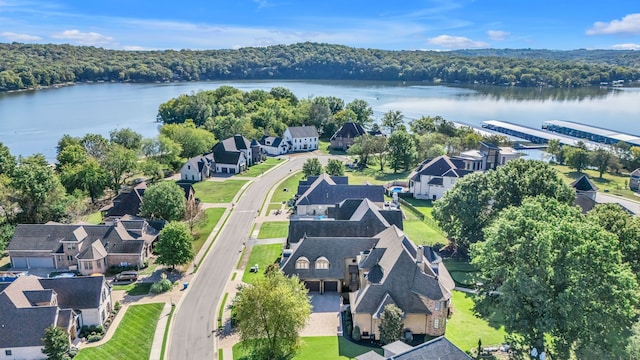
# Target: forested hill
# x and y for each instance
(31, 65)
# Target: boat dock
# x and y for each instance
(534, 135)
(593, 133)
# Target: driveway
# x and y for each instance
(325, 315)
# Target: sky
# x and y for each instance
(380, 24)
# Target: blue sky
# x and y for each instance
(382, 24)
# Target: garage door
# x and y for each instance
(330, 286)
(312, 285)
(19, 262)
(40, 262)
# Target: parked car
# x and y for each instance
(126, 276)
(254, 268)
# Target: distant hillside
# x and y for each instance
(25, 66)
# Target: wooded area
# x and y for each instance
(24, 66)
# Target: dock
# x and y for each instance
(534, 135)
(592, 133)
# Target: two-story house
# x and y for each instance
(301, 138)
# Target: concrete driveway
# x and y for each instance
(325, 315)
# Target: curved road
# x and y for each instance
(191, 332)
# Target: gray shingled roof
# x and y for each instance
(397, 347)
(23, 327)
(222, 155)
(440, 166)
(324, 191)
(349, 130)
(303, 131)
(78, 293)
(584, 184)
(437, 349)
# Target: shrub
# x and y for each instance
(73, 351)
(161, 286)
(93, 337)
(356, 333)
(86, 331)
(117, 306)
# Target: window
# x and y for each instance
(436, 323)
(438, 305)
(8, 352)
(322, 263)
(71, 246)
(69, 257)
(302, 263)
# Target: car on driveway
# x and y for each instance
(128, 276)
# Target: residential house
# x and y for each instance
(439, 348)
(586, 192)
(386, 268)
(346, 135)
(351, 218)
(488, 157)
(324, 193)
(274, 145)
(86, 248)
(198, 168)
(301, 138)
(434, 177)
(228, 159)
(634, 180)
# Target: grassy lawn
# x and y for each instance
(274, 229)
(374, 176)
(261, 168)
(149, 269)
(132, 339)
(263, 255)
(204, 225)
(613, 184)
(422, 234)
(465, 328)
(217, 191)
(424, 206)
(95, 218)
(462, 272)
(134, 289)
(291, 184)
(320, 348)
(272, 207)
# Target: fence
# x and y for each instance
(427, 220)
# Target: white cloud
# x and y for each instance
(456, 42)
(135, 48)
(262, 3)
(498, 35)
(626, 47)
(11, 36)
(629, 24)
(83, 38)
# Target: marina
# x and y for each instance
(534, 135)
(593, 133)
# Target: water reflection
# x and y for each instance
(542, 94)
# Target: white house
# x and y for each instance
(229, 161)
(489, 157)
(274, 145)
(433, 178)
(198, 168)
(301, 138)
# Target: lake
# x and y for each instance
(34, 121)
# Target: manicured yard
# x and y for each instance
(132, 339)
(217, 191)
(374, 176)
(462, 272)
(424, 206)
(134, 289)
(261, 168)
(274, 229)
(272, 207)
(94, 218)
(465, 328)
(204, 225)
(423, 234)
(321, 348)
(291, 184)
(263, 255)
(613, 184)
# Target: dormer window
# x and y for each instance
(302, 263)
(322, 263)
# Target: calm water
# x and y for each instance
(32, 122)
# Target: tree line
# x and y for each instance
(25, 66)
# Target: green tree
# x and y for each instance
(393, 120)
(363, 112)
(633, 346)
(67, 140)
(39, 193)
(379, 150)
(577, 158)
(175, 245)
(334, 167)
(270, 315)
(555, 148)
(71, 155)
(194, 141)
(556, 275)
(6, 233)
(600, 158)
(422, 126)
(119, 162)
(56, 344)
(164, 200)
(402, 150)
(312, 167)
(363, 146)
(87, 176)
(391, 324)
(7, 161)
(152, 169)
(97, 146)
(127, 138)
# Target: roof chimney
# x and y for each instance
(420, 255)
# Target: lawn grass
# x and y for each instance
(261, 168)
(610, 183)
(134, 289)
(272, 207)
(291, 184)
(149, 269)
(373, 175)
(166, 332)
(423, 234)
(424, 206)
(94, 218)
(462, 272)
(465, 327)
(133, 337)
(320, 348)
(263, 255)
(218, 191)
(221, 310)
(204, 226)
(274, 229)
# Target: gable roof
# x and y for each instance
(584, 184)
(303, 131)
(440, 166)
(397, 347)
(275, 141)
(349, 130)
(82, 292)
(128, 202)
(635, 173)
(324, 191)
(437, 349)
(225, 152)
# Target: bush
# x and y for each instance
(117, 306)
(86, 331)
(356, 333)
(93, 337)
(73, 351)
(161, 286)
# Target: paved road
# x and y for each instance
(633, 206)
(191, 333)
